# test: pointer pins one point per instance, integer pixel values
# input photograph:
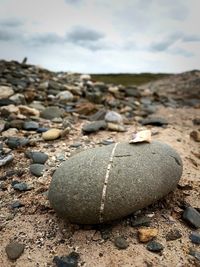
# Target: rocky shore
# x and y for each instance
(47, 117)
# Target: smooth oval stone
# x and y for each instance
(108, 183)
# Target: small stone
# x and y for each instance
(51, 134)
(141, 221)
(27, 111)
(113, 117)
(16, 124)
(42, 130)
(76, 145)
(16, 142)
(195, 238)
(30, 126)
(17, 204)
(6, 159)
(195, 135)
(173, 235)
(6, 102)
(37, 169)
(147, 234)
(20, 186)
(195, 254)
(192, 216)
(99, 115)
(67, 261)
(5, 91)
(94, 127)
(64, 97)
(196, 121)
(120, 242)
(116, 127)
(155, 121)
(14, 250)
(18, 99)
(38, 157)
(154, 246)
(51, 113)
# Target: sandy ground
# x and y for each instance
(45, 235)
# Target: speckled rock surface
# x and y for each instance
(139, 175)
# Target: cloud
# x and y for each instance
(11, 23)
(72, 1)
(81, 34)
(45, 39)
(191, 38)
(166, 43)
(6, 36)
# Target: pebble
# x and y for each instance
(76, 181)
(30, 126)
(120, 242)
(51, 134)
(14, 250)
(195, 254)
(42, 130)
(195, 135)
(154, 246)
(5, 91)
(94, 127)
(140, 221)
(17, 204)
(6, 159)
(27, 111)
(173, 235)
(155, 121)
(20, 186)
(192, 217)
(37, 169)
(16, 142)
(38, 157)
(65, 96)
(114, 117)
(50, 113)
(195, 238)
(147, 234)
(116, 127)
(67, 261)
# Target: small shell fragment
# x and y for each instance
(142, 136)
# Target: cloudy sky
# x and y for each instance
(101, 36)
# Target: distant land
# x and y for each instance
(128, 78)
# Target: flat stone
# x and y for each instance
(64, 97)
(120, 242)
(195, 254)
(138, 175)
(38, 157)
(147, 234)
(6, 102)
(30, 125)
(155, 121)
(94, 127)
(51, 134)
(6, 159)
(14, 250)
(192, 216)
(195, 238)
(37, 169)
(5, 91)
(155, 246)
(51, 113)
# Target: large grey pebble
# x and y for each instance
(137, 175)
(51, 113)
(38, 157)
(14, 250)
(37, 169)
